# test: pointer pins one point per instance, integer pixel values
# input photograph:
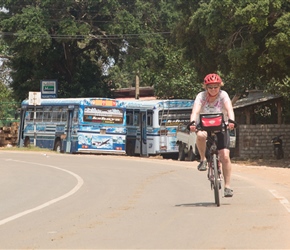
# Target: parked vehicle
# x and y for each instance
(74, 125)
(151, 126)
(186, 143)
(278, 147)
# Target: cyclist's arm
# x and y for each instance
(230, 110)
(195, 111)
(197, 107)
(231, 114)
(194, 115)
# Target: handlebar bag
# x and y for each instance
(211, 122)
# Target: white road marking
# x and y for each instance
(79, 184)
(282, 199)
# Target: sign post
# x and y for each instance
(34, 99)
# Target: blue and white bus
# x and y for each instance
(152, 124)
(74, 125)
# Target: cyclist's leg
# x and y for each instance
(201, 143)
(227, 171)
(224, 154)
(201, 146)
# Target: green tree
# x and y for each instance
(65, 40)
(177, 79)
(8, 107)
(93, 46)
(247, 42)
(152, 52)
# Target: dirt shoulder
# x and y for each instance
(267, 162)
(276, 171)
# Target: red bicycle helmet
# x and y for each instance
(212, 78)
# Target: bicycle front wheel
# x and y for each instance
(216, 181)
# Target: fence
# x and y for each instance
(254, 141)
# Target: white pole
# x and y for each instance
(34, 118)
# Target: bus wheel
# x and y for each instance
(26, 142)
(57, 146)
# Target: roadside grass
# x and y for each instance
(29, 148)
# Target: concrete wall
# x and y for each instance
(254, 141)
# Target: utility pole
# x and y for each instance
(137, 85)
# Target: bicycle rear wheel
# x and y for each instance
(216, 181)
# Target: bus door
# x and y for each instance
(69, 128)
(143, 133)
(163, 142)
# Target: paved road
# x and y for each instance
(63, 201)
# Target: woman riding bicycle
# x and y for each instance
(211, 101)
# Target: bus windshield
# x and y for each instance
(174, 117)
(103, 115)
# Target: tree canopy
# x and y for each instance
(64, 40)
(93, 46)
(247, 42)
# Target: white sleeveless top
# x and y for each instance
(218, 106)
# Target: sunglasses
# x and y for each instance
(213, 87)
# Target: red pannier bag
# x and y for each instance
(211, 122)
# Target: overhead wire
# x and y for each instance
(88, 36)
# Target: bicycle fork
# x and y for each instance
(210, 174)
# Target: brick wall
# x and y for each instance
(254, 141)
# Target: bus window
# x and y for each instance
(136, 118)
(103, 115)
(39, 115)
(54, 115)
(76, 115)
(29, 115)
(149, 118)
(174, 117)
(46, 114)
(59, 114)
(64, 115)
(129, 117)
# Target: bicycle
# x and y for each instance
(212, 124)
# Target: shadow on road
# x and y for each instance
(200, 204)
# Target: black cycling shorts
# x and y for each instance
(223, 140)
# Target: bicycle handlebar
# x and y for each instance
(232, 121)
(189, 124)
(229, 121)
